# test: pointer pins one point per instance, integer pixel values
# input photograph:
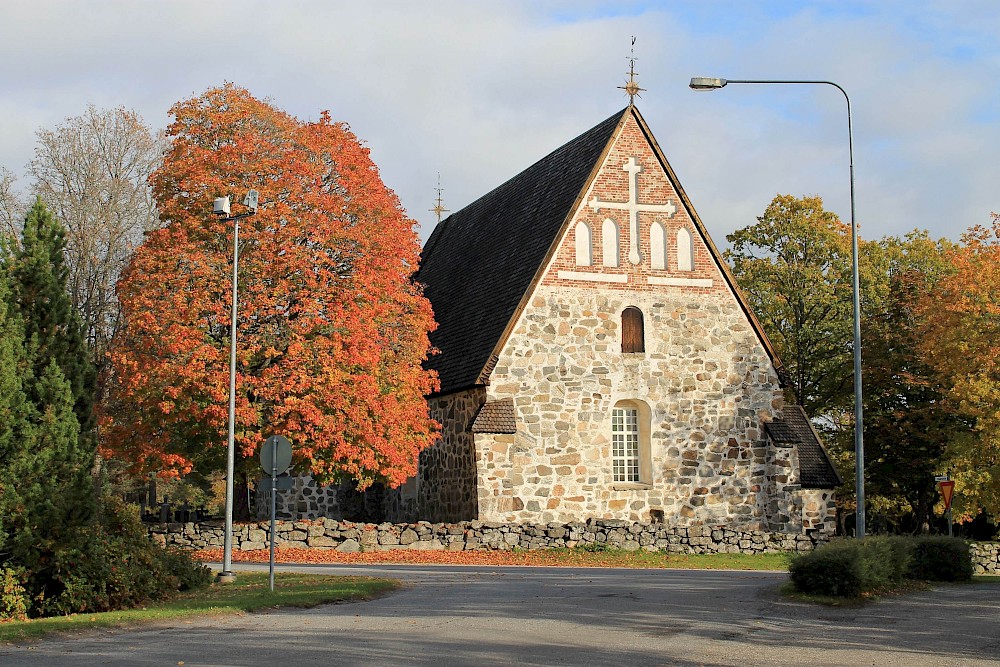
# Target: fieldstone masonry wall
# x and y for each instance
(706, 381)
(304, 499)
(446, 478)
(351, 537)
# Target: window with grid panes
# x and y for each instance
(625, 444)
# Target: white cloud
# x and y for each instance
(478, 91)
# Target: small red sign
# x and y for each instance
(947, 489)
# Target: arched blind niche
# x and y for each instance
(584, 254)
(657, 246)
(609, 239)
(685, 256)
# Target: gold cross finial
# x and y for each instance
(438, 206)
(632, 88)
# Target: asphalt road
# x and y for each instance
(557, 616)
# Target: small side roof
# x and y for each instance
(496, 417)
(816, 470)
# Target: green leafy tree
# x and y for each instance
(46, 466)
(909, 424)
(794, 265)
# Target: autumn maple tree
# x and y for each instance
(331, 329)
(960, 338)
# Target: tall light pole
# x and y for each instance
(221, 209)
(709, 83)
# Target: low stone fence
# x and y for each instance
(481, 535)
(484, 536)
(986, 557)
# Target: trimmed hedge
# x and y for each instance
(852, 568)
(941, 559)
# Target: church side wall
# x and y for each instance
(446, 478)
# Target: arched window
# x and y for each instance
(633, 336)
(609, 241)
(584, 254)
(630, 448)
(657, 246)
(685, 256)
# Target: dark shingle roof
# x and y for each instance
(480, 261)
(496, 417)
(816, 469)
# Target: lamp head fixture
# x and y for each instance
(250, 201)
(221, 207)
(706, 83)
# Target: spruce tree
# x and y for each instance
(15, 418)
(47, 457)
(52, 326)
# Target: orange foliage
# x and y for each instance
(535, 558)
(331, 330)
(960, 338)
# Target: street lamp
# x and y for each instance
(709, 83)
(221, 209)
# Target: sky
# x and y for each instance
(478, 91)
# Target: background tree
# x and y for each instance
(908, 423)
(794, 265)
(93, 170)
(331, 329)
(11, 207)
(959, 335)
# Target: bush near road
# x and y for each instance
(855, 568)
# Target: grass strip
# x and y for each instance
(249, 593)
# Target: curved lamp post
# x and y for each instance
(221, 209)
(709, 83)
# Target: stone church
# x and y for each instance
(597, 359)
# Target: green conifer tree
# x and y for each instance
(15, 417)
(52, 326)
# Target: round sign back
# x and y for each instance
(282, 451)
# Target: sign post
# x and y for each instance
(947, 488)
(275, 456)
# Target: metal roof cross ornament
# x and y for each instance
(632, 88)
(438, 206)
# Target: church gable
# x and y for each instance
(632, 231)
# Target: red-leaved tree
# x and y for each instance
(331, 330)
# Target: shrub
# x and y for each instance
(834, 570)
(110, 565)
(14, 600)
(884, 561)
(850, 568)
(941, 559)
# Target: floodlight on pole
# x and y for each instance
(221, 208)
(710, 83)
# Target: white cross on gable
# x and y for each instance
(633, 207)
